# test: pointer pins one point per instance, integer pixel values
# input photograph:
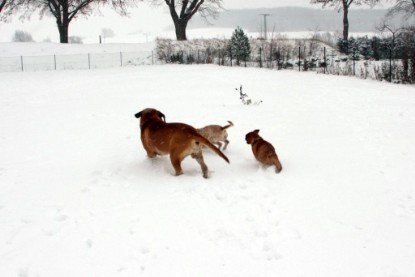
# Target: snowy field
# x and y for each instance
(79, 197)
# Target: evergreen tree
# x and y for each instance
(365, 47)
(375, 44)
(343, 45)
(239, 46)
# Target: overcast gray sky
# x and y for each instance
(246, 4)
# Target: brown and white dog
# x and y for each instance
(216, 134)
(263, 151)
(178, 140)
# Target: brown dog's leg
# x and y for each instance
(151, 154)
(226, 144)
(219, 144)
(199, 158)
(176, 162)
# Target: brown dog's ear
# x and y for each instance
(256, 131)
(162, 116)
(137, 115)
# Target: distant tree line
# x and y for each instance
(379, 48)
(399, 45)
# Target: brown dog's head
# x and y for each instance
(252, 136)
(148, 114)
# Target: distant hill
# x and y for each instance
(290, 19)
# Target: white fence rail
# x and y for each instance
(76, 61)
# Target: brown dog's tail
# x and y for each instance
(278, 167)
(206, 142)
(227, 126)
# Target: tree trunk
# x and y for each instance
(63, 32)
(61, 13)
(412, 73)
(2, 5)
(345, 23)
(180, 26)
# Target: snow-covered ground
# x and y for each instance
(79, 197)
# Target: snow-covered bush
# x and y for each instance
(366, 58)
(22, 36)
(189, 51)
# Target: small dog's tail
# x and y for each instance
(227, 126)
(206, 142)
(276, 162)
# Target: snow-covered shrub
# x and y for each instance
(22, 36)
(189, 51)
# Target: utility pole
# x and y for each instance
(265, 24)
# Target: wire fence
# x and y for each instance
(75, 61)
(320, 61)
(296, 59)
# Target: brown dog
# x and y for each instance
(263, 151)
(177, 139)
(216, 134)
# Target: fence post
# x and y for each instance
(21, 62)
(278, 58)
(390, 65)
(219, 57)
(89, 61)
(325, 62)
(260, 57)
(354, 67)
(121, 58)
(299, 58)
(54, 58)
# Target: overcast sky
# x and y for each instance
(246, 4)
(145, 22)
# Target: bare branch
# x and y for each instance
(188, 8)
(2, 4)
(405, 7)
(64, 11)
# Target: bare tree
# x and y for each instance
(64, 11)
(406, 7)
(2, 4)
(389, 27)
(6, 9)
(187, 9)
(344, 5)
